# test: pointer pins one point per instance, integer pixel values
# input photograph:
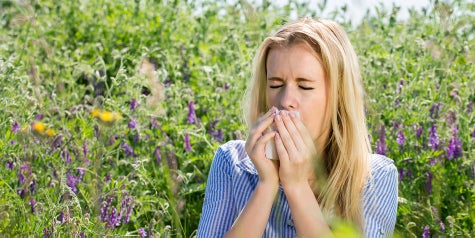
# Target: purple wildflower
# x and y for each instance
(133, 104)
(426, 233)
(158, 156)
(442, 226)
(15, 127)
(136, 138)
(454, 149)
(33, 186)
(434, 111)
(432, 161)
(399, 86)
(21, 178)
(66, 156)
(13, 142)
(129, 151)
(71, 181)
(429, 182)
(61, 217)
(38, 116)
(82, 235)
(433, 137)
(400, 139)
(381, 143)
(226, 86)
(401, 174)
(105, 209)
(451, 118)
(217, 135)
(133, 123)
(57, 142)
(81, 173)
(33, 205)
(187, 142)
(469, 108)
(191, 113)
(129, 210)
(21, 193)
(153, 123)
(10, 165)
(473, 133)
(419, 131)
(113, 139)
(142, 233)
(112, 217)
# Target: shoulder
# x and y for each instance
(380, 165)
(233, 154)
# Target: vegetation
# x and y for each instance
(112, 110)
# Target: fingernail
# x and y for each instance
(277, 117)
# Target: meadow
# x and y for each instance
(112, 110)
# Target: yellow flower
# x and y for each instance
(38, 127)
(107, 116)
(95, 112)
(50, 132)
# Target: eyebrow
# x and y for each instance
(282, 80)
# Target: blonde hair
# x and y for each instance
(348, 149)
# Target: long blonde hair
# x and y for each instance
(348, 150)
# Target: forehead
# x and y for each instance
(298, 57)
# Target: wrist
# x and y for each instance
(268, 186)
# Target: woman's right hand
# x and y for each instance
(268, 170)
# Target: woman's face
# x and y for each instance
(296, 82)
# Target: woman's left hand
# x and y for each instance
(296, 150)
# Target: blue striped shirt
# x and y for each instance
(233, 178)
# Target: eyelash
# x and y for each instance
(304, 88)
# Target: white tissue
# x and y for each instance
(271, 152)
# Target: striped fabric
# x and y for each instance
(232, 179)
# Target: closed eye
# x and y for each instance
(276, 86)
(306, 88)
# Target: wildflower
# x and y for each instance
(433, 137)
(429, 182)
(57, 142)
(95, 112)
(65, 156)
(15, 127)
(434, 110)
(419, 131)
(136, 138)
(426, 233)
(133, 104)
(129, 151)
(454, 149)
(105, 208)
(191, 113)
(38, 116)
(21, 178)
(399, 86)
(33, 186)
(400, 139)
(107, 116)
(50, 132)
(33, 205)
(10, 165)
(113, 139)
(71, 181)
(112, 217)
(38, 127)
(158, 156)
(397, 102)
(133, 123)
(401, 174)
(187, 142)
(142, 233)
(473, 133)
(153, 123)
(469, 108)
(21, 193)
(381, 143)
(442, 226)
(129, 210)
(61, 217)
(226, 86)
(432, 161)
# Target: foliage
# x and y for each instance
(113, 110)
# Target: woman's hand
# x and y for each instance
(255, 148)
(296, 151)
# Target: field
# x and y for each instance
(112, 110)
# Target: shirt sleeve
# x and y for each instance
(380, 202)
(218, 212)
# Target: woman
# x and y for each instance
(309, 71)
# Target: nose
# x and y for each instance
(288, 98)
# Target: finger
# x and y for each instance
(281, 151)
(304, 135)
(284, 134)
(294, 132)
(259, 127)
(259, 146)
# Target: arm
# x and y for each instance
(306, 212)
(380, 202)
(218, 211)
(253, 218)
